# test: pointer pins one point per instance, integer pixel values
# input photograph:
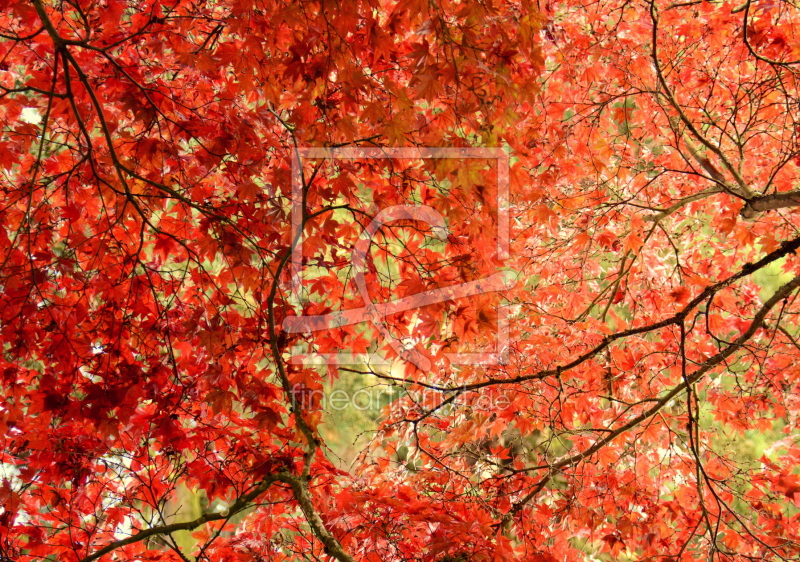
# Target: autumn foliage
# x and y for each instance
(163, 225)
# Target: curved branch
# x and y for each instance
(682, 202)
(750, 47)
(705, 367)
(300, 489)
(743, 189)
(785, 249)
(239, 505)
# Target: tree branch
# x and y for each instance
(300, 489)
(705, 367)
(242, 503)
(770, 202)
(743, 190)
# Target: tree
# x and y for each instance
(186, 188)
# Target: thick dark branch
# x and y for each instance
(50, 28)
(770, 202)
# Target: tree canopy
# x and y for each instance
(552, 243)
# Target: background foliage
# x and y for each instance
(146, 247)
